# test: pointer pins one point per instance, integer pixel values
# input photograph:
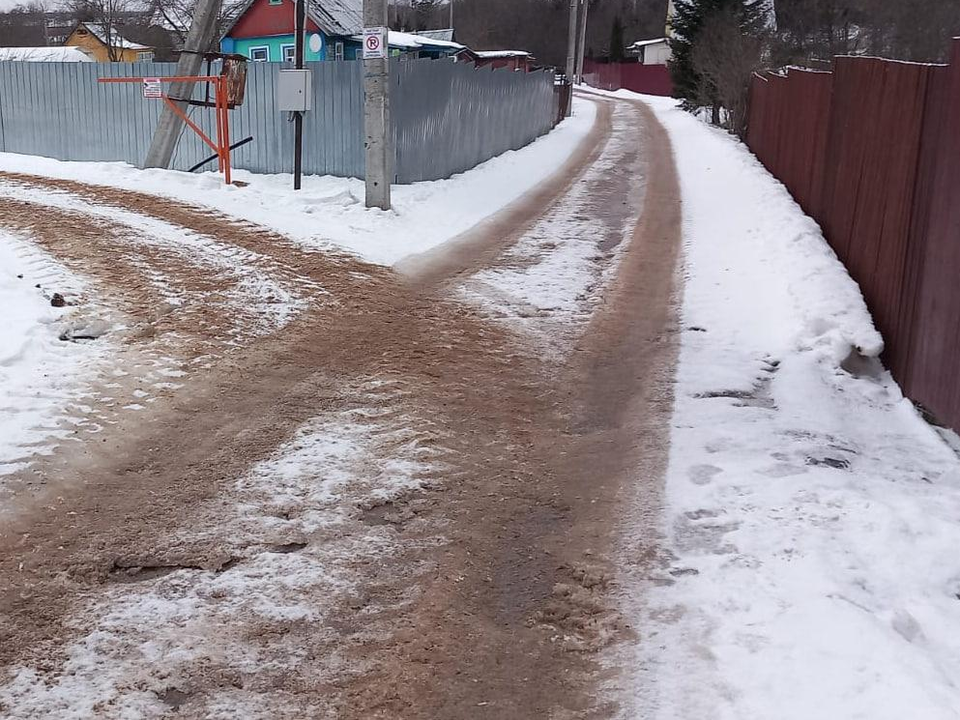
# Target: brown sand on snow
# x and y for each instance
(518, 601)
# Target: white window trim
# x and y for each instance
(265, 48)
(338, 51)
(283, 53)
(145, 56)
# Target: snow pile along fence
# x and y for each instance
(870, 151)
(646, 79)
(448, 117)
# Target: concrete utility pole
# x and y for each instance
(571, 53)
(203, 28)
(451, 14)
(583, 40)
(376, 106)
(572, 41)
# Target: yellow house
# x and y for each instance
(92, 38)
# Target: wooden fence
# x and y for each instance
(871, 151)
(647, 79)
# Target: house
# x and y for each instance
(105, 44)
(263, 30)
(512, 59)
(43, 54)
(651, 52)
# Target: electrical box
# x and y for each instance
(294, 91)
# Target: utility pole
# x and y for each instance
(572, 41)
(451, 14)
(300, 20)
(376, 104)
(583, 40)
(203, 28)
(571, 52)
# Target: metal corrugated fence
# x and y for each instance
(870, 151)
(448, 117)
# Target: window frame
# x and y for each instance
(293, 52)
(338, 50)
(255, 48)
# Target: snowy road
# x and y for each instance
(622, 448)
(322, 489)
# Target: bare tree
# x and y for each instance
(176, 16)
(725, 57)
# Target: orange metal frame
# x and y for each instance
(222, 145)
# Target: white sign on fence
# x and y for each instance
(374, 43)
(152, 88)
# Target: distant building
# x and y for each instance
(512, 59)
(93, 39)
(263, 31)
(651, 52)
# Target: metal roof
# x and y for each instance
(334, 17)
(337, 17)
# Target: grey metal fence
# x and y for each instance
(448, 117)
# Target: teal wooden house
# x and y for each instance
(263, 31)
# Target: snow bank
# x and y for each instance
(812, 519)
(329, 211)
(39, 373)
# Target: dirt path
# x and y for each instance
(459, 564)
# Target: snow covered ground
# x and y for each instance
(812, 518)
(289, 535)
(329, 211)
(39, 374)
(549, 283)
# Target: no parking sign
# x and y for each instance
(374, 43)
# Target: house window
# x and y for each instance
(289, 53)
(276, 2)
(260, 54)
(144, 57)
(338, 51)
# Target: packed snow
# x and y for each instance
(548, 284)
(40, 375)
(812, 518)
(329, 211)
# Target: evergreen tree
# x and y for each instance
(616, 41)
(689, 20)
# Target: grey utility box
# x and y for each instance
(294, 91)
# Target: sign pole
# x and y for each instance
(376, 104)
(300, 21)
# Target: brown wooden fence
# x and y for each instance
(871, 151)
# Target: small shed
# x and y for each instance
(651, 52)
(512, 59)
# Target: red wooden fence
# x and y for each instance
(647, 79)
(871, 151)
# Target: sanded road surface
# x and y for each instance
(352, 493)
